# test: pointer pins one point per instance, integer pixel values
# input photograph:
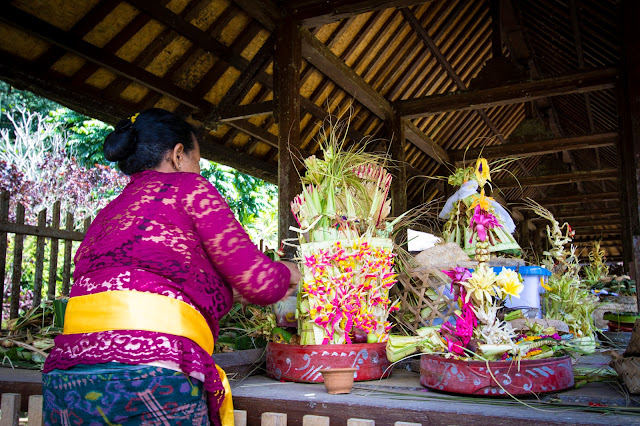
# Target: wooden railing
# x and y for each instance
(10, 415)
(41, 232)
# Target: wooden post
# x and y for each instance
(10, 408)
(240, 417)
(34, 415)
(629, 141)
(397, 150)
(273, 419)
(66, 268)
(4, 217)
(286, 80)
(311, 420)
(37, 279)
(397, 145)
(53, 256)
(16, 276)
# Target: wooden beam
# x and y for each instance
(267, 12)
(558, 179)
(215, 150)
(84, 99)
(575, 82)
(425, 143)
(586, 213)
(535, 148)
(629, 147)
(255, 131)
(15, 17)
(314, 13)
(190, 31)
(580, 198)
(287, 63)
(243, 84)
(321, 57)
(588, 222)
(240, 112)
(93, 103)
(435, 50)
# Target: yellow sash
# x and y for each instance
(135, 310)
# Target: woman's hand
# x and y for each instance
(295, 277)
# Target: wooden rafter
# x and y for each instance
(580, 198)
(586, 213)
(313, 13)
(425, 143)
(242, 85)
(558, 179)
(319, 55)
(255, 131)
(535, 148)
(435, 50)
(240, 112)
(15, 17)
(574, 82)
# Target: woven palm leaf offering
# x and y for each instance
(345, 249)
(470, 202)
(566, 296)
(480, 351)
(347, 262)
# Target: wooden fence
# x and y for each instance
(10, 415)
(42, 232)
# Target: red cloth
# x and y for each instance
(170, 234)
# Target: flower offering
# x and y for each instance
(345, 252)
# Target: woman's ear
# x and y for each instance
(177, 156)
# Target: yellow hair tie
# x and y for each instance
(133, 117)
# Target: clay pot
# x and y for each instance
(338, 380)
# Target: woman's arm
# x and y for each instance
(258, 279)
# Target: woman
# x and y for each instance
(153, 276)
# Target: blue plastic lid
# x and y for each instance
(525, 270)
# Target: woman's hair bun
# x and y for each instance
(121, 143)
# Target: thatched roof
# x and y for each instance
(542, 83)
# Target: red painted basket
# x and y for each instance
(302, 363)
(475, 377)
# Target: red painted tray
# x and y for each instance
(302, 363)
(473, 377)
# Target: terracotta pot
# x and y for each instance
(496, 378)
(338, 380)
(302, 363)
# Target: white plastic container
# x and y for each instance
(533, 277)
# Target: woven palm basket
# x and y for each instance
(628, 365)
(424, 299)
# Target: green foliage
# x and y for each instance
(85, 136)
(252, 200)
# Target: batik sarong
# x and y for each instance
(120, 394)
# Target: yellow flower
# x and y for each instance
(509, 283)
(134, 117)
(533, 353)
(482, 171)
(480, 285)
(543, 285)
(485, 202)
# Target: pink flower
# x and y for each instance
(458, 274)
(481, 222)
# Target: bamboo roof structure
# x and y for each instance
(533, 80)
